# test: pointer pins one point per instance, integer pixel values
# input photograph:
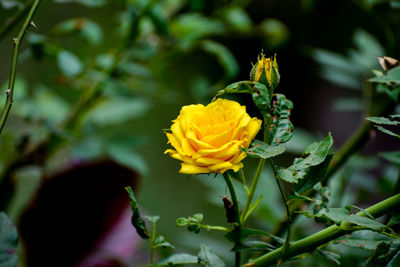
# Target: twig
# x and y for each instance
(10, 23)
(14, 63)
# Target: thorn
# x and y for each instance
(7, 92)
(15, 40)
(33, 24)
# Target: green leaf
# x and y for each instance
(127, 157)
(280, 128)
(208, 258)
(69, 63)
(393, 156)
(88, 3)
(88, 30)
(8, 242)
(225, 58)
(258, 91)
(260, 149)
(383, 120)
(313, 175)
(340, 215)
(136, 220)
(386, 131)
(253, 245)
(391, 78)
(240, 235)
(303, 167)
(252, 207)
(161, 242)
(180, 258)
(384, 254)
(329, 255)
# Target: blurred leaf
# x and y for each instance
(69, 63)
(243, 233)
(190, 27)
(275, 31)
(383, 120)
(225, 58)
(364, 239)
(88, 30)
(8, 242)
(316, 154)
(253, 245)
(127, 157)
(259, 149)
(393, 156)
(161, 242)
(329, 255)
(348, 104)
(386, 254)
(117, 110)
(237, 18)
(136, 220)
(88, 3)
(180, 258)
(281, 128)
(208, 258)
(258, 91)
(8, 4)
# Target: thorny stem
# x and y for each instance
(14, 63)
(238, 223)
(285, 201)
(10, 23)
(308, 244)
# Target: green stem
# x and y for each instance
(311, 242)
(10, 23)
(14, 63)
(152, 240)
(238, 224)
(253, 188)
(285, 201)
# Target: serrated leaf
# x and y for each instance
(8, 242)
(383, 120)
(386, 131)
(208, 258)
(180, 258)
(301, 167)
(137, 220)
(391, 78)
(259, 149)
(280, 128)
(361, 243)
(340, 215)
(364, 239)
(258, 91)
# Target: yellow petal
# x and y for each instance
(224, 165)
(192, 169)
(208, 161)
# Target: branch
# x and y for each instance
(14, 62)
(311, 242)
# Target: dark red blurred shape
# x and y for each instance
(72, 211)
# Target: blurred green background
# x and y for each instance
(102, 79)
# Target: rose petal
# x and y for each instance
(192, 169)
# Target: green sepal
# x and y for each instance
(137, 220)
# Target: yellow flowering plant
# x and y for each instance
(214, 139)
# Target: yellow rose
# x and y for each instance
(207, 138)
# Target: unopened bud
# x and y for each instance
(265, 71)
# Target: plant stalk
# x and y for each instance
(238, 223)
(313, 241)
(14, 62)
